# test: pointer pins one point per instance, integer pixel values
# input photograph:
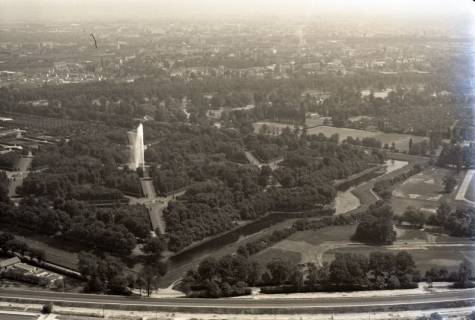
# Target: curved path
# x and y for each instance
(462, 191)
(230, 305)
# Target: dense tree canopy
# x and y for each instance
(376, 225)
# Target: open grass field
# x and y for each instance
(334, 233)
(56, 251)
(427, 207)
(62, 257)
(39, 122)
(342, 132)
(449, 257)
(427, 185)
(401, 140)
(346, 201)
(424, 191)
(273, 128)
(408, 234)
(270, 254)
(306, 246)
(321, 246)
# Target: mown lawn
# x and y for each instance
(320, 246)
(266, 256)
(67, 259)
(316, 237)
(425, 258)
(423, 191)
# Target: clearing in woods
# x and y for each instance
(424, 191)
(400, 140)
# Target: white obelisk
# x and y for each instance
(137, 157)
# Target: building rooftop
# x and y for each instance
(9, 262)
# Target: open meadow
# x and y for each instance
(320, 246)
(307, 246)
(401, 140)
(273, 128)
(53, 252)
(424, 191)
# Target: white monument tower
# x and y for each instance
(137, 148)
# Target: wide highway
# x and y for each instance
(237, 303)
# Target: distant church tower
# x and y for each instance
(137, 148)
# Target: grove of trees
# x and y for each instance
(232, 275)
(376, 225)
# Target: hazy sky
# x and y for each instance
(48, 10)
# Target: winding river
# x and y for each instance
(346, 201)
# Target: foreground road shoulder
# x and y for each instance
(449, 299)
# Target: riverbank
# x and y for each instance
(347, 201)
(228, 242)
(364, 191)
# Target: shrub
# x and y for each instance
(47, 308)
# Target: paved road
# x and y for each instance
(155, 210)
(13, 316)
(246, 303)
(253, 160)
(148, 188)
(23, 166)
(155, 204)
(156, 207)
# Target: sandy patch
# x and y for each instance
(346, 201)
